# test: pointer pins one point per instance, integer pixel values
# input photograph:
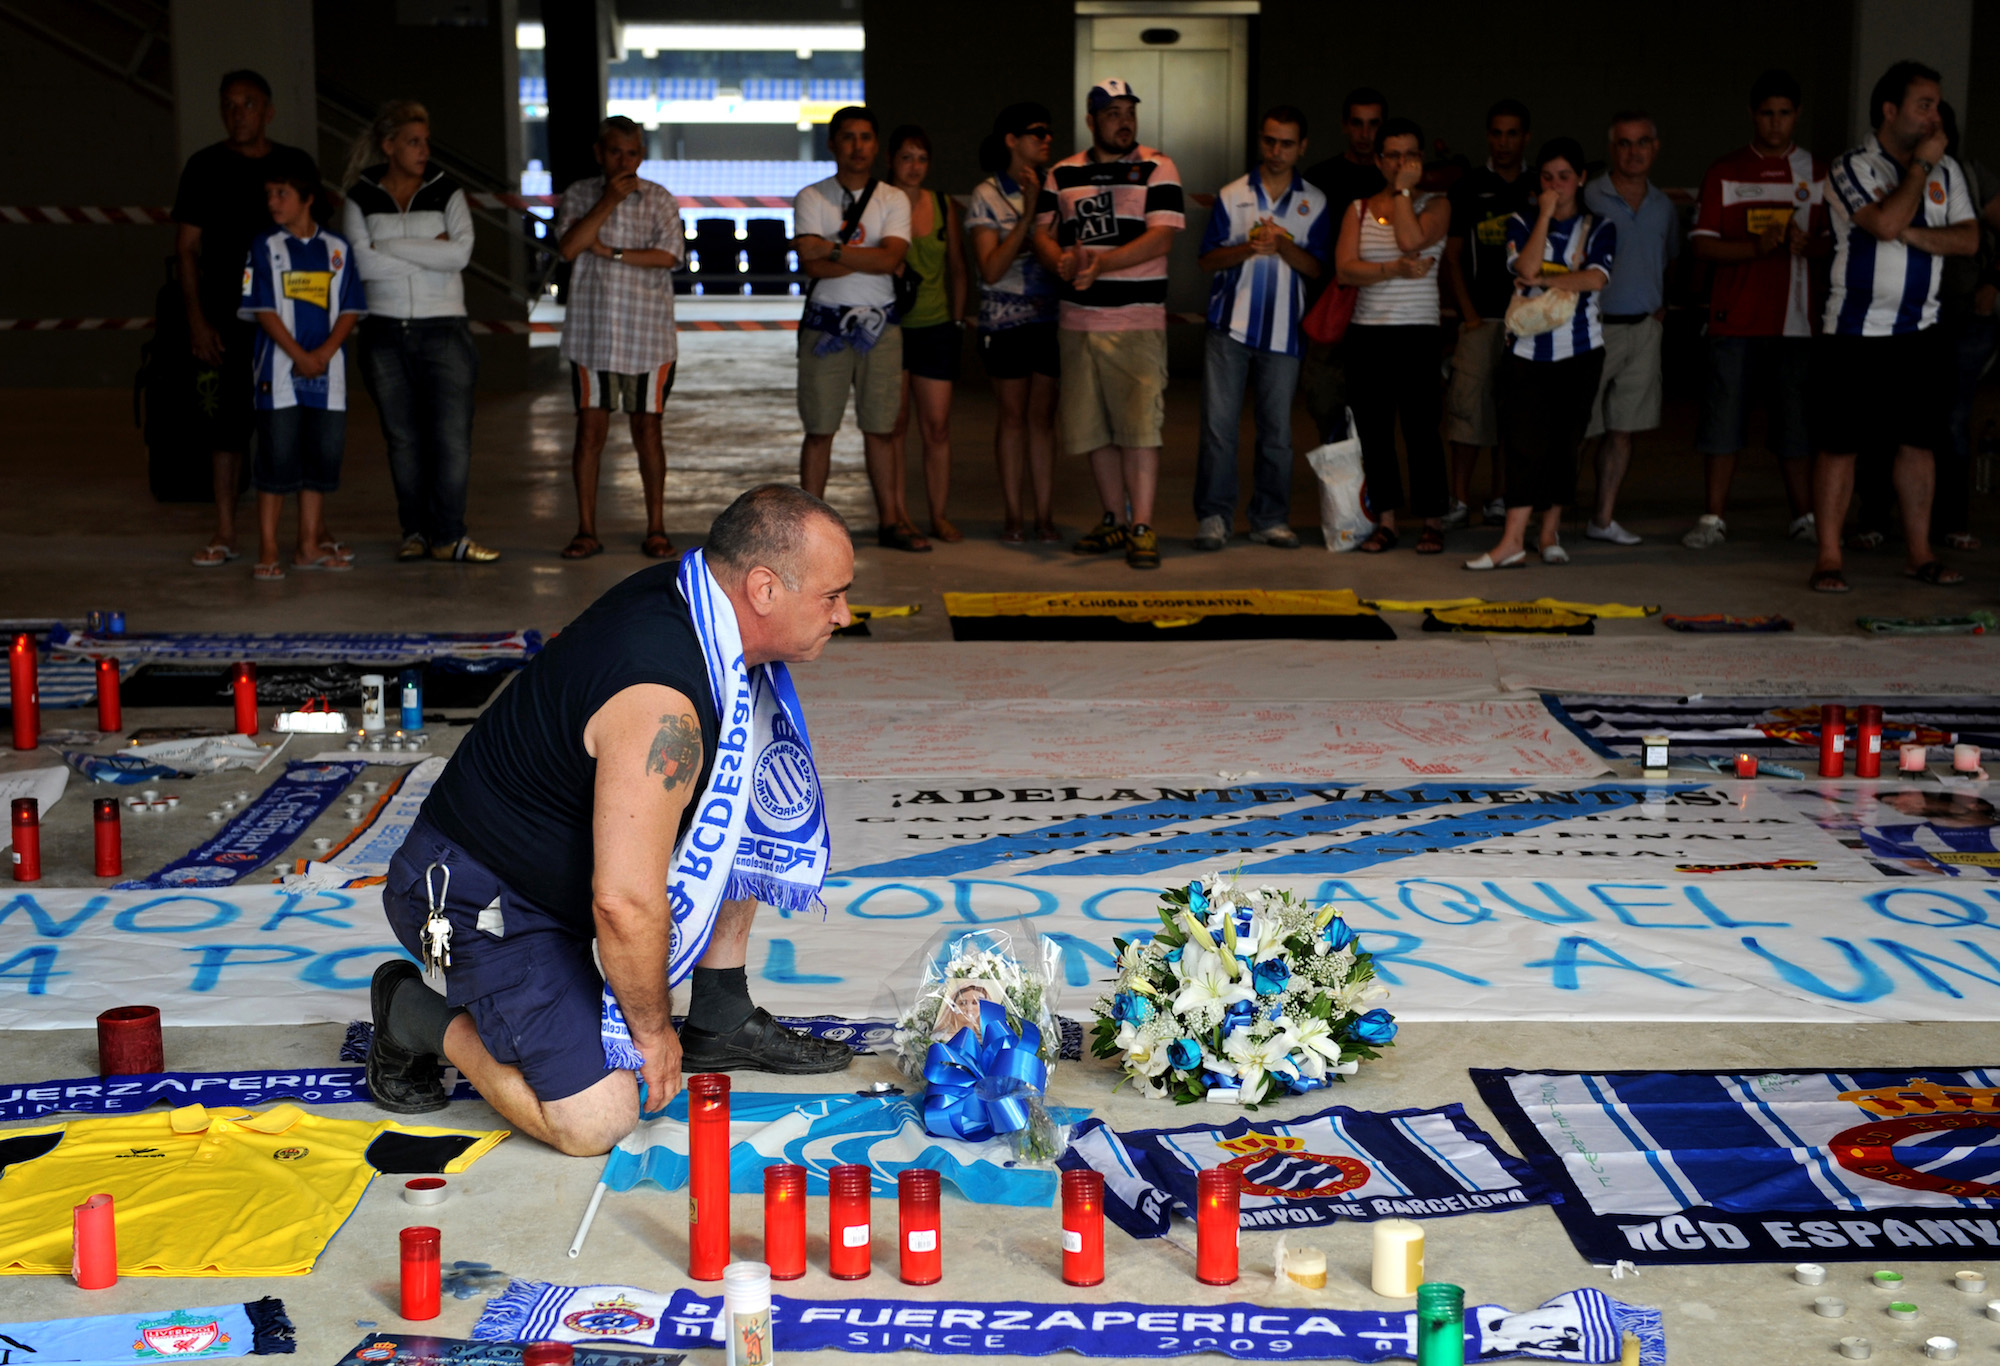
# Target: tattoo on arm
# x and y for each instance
(676, 752)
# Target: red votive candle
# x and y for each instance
(109, 851)
(1868, 742)
(847, 1222)
(420, 1273)
(708, 1175)
(27, 839)
(110, 713)
(94, 1244)
(243, 688)
(1218, 1208)
(917, 1220)
(1746, 765)
(128, 1042)
(1083, 1228)
(1832, 740)
(22, 696)
(785, 1221)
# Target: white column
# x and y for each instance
(272, 37)
(1937, 33)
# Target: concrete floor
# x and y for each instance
(72, 544)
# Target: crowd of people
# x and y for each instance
(1853, 302)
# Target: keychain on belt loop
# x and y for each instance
(436, 938)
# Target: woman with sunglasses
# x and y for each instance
(1017, 313)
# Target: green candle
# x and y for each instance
(1440, 1324)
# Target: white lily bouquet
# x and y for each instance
(980, 1032)
(1244, 995)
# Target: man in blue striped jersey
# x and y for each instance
(1881, 380)
(1267, 235)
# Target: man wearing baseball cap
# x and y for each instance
(1103, 225)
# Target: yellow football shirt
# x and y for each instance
(204, 1191)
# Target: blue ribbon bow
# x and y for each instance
(979, 1082)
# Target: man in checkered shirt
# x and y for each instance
(624, 234)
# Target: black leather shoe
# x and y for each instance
(402, 1082)
(760, 1044)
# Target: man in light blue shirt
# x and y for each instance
(1267, 235)
(1632, 306)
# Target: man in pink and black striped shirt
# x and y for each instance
(1103, 226)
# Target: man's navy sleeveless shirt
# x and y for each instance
(519, 792)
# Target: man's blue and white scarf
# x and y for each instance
(759, 829)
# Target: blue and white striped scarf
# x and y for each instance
(759, 829)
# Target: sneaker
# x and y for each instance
(400, 1081)
(1804, 528)
(1142, 548)
(1280, 537)
(1106, 537)
(1611, 532)
(414, 547)
(1495, 511)
(1708, 533)
(465, 549)
(761, 1044)
(1212, 533)
(1458, 518)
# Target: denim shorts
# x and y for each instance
(298, 448)
(527, 977)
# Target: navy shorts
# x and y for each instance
(1740, 371)
(298, 448)
(527, 978)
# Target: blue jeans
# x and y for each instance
(1274, 378)
(421, 373)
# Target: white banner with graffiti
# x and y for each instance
(1461, 947)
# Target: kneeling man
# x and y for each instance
(643, 784)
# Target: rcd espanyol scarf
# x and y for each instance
(759, 828)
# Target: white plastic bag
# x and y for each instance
(1343, 490)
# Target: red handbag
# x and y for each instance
(1325, 323)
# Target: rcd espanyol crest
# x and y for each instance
(784, 793)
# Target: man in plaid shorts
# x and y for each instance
(624, 234)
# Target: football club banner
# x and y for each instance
(884, 1133)
(259, 1328)
(124, 1095)
(259, 832)
(1580, 1326)
(366, 853)
(1337, 1164)
(404, 1349)
(1697, 1167)
(1783, 728)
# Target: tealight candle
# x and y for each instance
(1965, 760)
(1912, 761)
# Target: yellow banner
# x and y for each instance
(1162, 609)
(308, 286)
(1595, 609)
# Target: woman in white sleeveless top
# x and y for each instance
(1389, 248)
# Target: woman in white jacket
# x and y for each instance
(412, 234)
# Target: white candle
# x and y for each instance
(1399, 1258)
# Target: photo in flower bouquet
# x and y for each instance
(1244, 995)
(976, 1024)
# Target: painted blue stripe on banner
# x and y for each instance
(1639, 1145)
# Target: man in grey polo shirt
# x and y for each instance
(1632, 306)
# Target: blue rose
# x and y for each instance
(1270, 976)
(1197, 899)
(1128, 1007)
(1375, 1028)
(1173, 955)
(1184, 1054)
(1338, 933)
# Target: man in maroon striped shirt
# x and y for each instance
(1103, 226)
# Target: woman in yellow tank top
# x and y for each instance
(934, 328)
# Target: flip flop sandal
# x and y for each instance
(1868, 540)
(1046, 534)
(1828, 581)
(340, 550)
(657, 546)
(214, 555)
(326, 563)
(582, 548)
(1431, 542)
(274, 572)
(1383, 539)
(902, 538)
(1962, 540)
(1935, 573)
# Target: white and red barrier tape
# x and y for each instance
(483, 326)
(103, 215)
